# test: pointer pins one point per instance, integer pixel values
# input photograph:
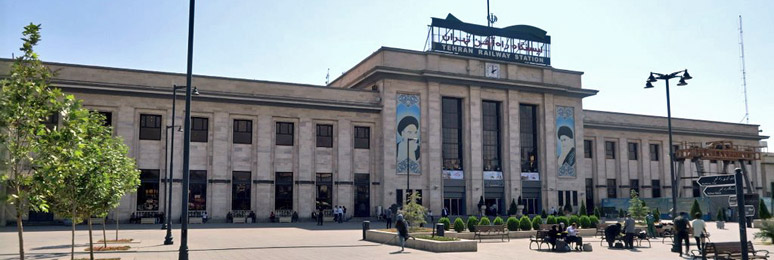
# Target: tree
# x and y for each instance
(543, 213)
(25, 101)
(597, 212)
(513, 209)
(87, 170)
(582, 210)
(637, 208)
(695, 209)
(657, 215)
(721, 216)
(413, 212)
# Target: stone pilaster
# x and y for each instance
(475, 174)
(435, 192)
(513, 155)
(306, 146)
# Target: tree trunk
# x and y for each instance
(104, 236)
(72, 243)
(20, 228)
(116, 215)
(91, 242)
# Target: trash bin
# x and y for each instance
(366, 227)
(439, 228)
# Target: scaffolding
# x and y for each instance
(723, 151)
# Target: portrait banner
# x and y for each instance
(565, 141)
(407, 134)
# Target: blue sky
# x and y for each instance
(616, 43)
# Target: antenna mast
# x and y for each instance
(744, 72)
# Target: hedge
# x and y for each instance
(536, 222)
(594, 221)
(459, 225)
(525, 224)
(512, 223)
(446, 223)
(497, 221)
(484, 221)
(472, 222)
(585, 222)
(551, 220)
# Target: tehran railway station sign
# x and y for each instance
(518, 43)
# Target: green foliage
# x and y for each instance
(437, 238)
(497, 221)
(621, 213)
(585, 222)
(695, 209)
(513, 209)
(594, 221)
(657, 215)
(597, 212)
(721, 216)
(543, 213)
(551, 220)
(582, 210)
(763, 210)
(525, 224)
(536, 221)
(574, 219)
(484, 221)
(512, 223)
(567, 208)
(459, 225)
(446, 223)
(472, 222)
(26, 99)
(562, 219)
(767, 231)
(414, 212)
(637, 207)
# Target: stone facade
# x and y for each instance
(365, 96)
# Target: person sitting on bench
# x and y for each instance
(611, 232)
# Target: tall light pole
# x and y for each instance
(683, 75)
(183, 251)
(167, 179)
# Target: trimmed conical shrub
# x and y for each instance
(551, 220)
(513, 224)
(536, 221)
(597, 212)
(513, 209)
(763, 211)
(446, 223)
(582, 210)
(472, 222)
(594, 221)
(484, 221)
(525, 224)
(695, 209)
(543, 213)
(585, 222)
(497, 221)
(459, 225)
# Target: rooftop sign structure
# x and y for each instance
(518, 43)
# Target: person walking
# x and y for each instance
(682, 226)
(699, 231)
(319, 216)
(650, 220)
(403, 234)
(388, 216)
(629, 231)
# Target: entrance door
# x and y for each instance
(454, 205)
(362, 195)
(589, 194)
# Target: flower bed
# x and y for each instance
(420, 243)
(109, 248)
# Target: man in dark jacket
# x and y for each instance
(681, 227)
(402, 226)
(611, 232)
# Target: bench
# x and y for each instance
(495, 230)
(601, 229)
(285, 219)
(147, 220)
(729, 250)
(539, 239)
(239, 220)
(546, 226)
(639, 239)
(195, 220)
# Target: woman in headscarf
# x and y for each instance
(402, 227)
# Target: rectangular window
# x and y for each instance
(529, 137)
(150, 127)
(656, 185)
(561, 198)
(567, 197)
(612, 189)
(491, 135)
(609, 150)
(654, 152)
(284, 133)
(451, 122)
(240, 190)
(635, 186)
(324, 191)
(108, 117)
(197, 190)
(148, 192)
(633, 153)
(283, 191)
(243, 131)
(324, 135)
(588, 148)
(696, 189)
(362, 137)
(199, 129)
(575, 198)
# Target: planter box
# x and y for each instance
(328, 219)
(587, 232)
(148, 221)
(758, 223)
(97, 221)
(239, 220)
(194, 220)
(423, 244)
(284, 219)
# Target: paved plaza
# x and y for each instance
(302, 241)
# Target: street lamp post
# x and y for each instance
(168, 240)
(183, 251)
(683, 75)
(167, 198)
